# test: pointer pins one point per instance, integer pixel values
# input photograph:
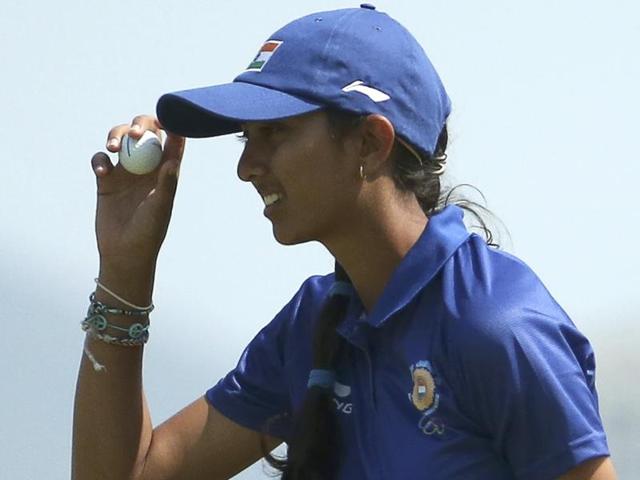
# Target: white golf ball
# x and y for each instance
(140, 156)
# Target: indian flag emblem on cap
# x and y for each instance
(263, 55)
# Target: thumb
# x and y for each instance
(101, 165)
(103, 170)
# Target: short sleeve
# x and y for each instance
(255, 391)
(528, 378)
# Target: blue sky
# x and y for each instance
(544, 122)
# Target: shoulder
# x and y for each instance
(495, 305)
(301, 308)
(290, 326)
(519, 366)
(310, 295)
(480, 275)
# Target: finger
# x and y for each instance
(114, 137)
(101, 164)
(162, 132)
(168, 178)
(173, 148)
(141, 123)
(170, 168)
(135, 129)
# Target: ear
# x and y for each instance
(378, 138)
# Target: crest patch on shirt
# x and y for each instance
(424, 394)
(264, 55)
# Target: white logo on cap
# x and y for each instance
(359, 86)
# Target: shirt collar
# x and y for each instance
(444, 233)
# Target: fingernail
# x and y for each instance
(135, 128)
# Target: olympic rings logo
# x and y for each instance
(431, 426)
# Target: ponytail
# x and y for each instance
(314, 440)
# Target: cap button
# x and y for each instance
(367, 6)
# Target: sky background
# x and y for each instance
(544, 122)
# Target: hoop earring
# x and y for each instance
(363, 176)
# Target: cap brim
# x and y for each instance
(219, 110)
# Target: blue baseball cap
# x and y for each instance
(357, 60)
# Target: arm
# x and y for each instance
(113, 437)
(199, 443)
(600, 468)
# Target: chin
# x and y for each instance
(290, 238)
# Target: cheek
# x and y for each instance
(307, 166)
(315, 175)
(326, 179)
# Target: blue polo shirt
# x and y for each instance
(466, 368)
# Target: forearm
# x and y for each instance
(112, 425)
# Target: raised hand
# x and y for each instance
(133, 211)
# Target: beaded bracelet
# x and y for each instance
(100, 307)
(123, 342)
(96, 323)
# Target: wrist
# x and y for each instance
(131, 282)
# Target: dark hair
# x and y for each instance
(313, 444)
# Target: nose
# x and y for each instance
(251, 165)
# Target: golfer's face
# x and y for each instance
(304, 175)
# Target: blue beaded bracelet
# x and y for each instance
(96, 324)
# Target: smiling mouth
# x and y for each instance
(271, 199)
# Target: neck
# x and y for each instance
(375, 246)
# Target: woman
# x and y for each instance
(427, 354)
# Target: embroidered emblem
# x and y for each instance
(431, 426)
(424, 395)
(374, 94)
(264, 55)
(425, 398)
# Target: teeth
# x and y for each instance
(271, 199)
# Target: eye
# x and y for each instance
(272, 128)
(259, 132)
